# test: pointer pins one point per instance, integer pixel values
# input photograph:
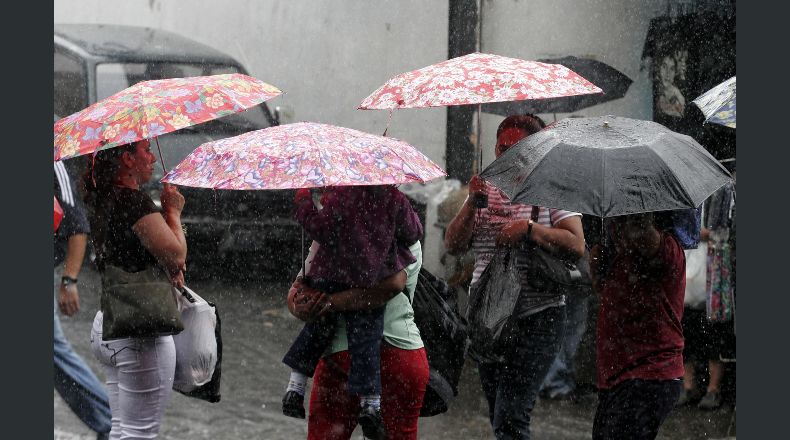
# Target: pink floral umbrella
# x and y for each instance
(302, 155)
(152, 108)
(477, 78)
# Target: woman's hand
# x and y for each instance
(307, 303)
(177, 280)
(172, 200)
(477, 186)
(512, 233)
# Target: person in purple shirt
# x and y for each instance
(364, 233)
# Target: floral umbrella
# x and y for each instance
(152, 108)
(58, 213)
(718, 104)
(477, 78)
(302, 155)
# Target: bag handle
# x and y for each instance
(185, 293)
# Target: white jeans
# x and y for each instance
(139, 376)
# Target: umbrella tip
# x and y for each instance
(606, 124)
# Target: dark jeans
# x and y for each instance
(512, 386)
(561, 378)
(364, 330)
(634, 409)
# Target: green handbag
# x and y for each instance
(138, 304)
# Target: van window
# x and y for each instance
(71, 87)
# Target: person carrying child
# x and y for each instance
(364, 234)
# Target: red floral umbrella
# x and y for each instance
(302, 155)
(152, 108)
(58, 213)
(477, 78)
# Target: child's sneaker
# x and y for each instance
(293, 405)
(371, 422)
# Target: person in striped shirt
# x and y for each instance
(511, 378)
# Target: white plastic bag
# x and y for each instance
(196, 346)
(696, 275)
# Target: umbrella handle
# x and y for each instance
(161, 159)
(389, 119)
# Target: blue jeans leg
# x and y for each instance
(310, 344)
(561, 378)
(512, 386)
(365, 330)
(77, 385)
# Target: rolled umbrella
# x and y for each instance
(608, 166)
(612, 82)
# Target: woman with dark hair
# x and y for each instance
(131, 235)
(512, 376)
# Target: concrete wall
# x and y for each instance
(611, 31)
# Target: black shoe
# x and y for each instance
(371, 422)
(688, 397)
(683, 399)
(293, 404)
(711, 400)
(103, 436)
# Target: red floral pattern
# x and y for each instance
(152, 108)
(302, 155)
(478, 78)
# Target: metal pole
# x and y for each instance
(479, 146)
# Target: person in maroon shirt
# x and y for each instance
(640, 338)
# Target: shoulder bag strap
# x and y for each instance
(535, 213)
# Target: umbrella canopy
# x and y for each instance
(58, 213)
(152, 108)
(477, 78)
(613, 83)
(718, 104)
(607, 166)
(302, 155)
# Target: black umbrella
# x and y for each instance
(613, 83)
(607, 166)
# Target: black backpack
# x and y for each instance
(443, 331)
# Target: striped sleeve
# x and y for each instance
(558, 215)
